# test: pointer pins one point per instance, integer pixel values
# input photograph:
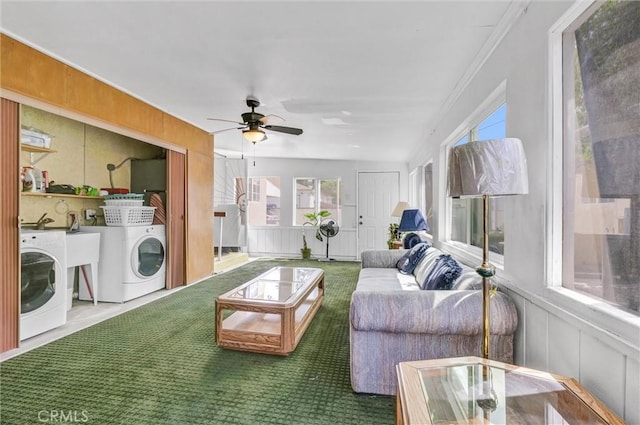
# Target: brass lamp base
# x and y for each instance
(487, 271)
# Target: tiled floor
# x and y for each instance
(84, 314)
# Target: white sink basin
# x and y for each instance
(82, 248)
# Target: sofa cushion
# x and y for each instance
(408, 262)
(468, 280)
(385, 279)
(443, 274)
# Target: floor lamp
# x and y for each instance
(487, 168)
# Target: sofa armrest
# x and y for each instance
(381, 258)
(432, 312)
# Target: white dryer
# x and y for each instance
(132, 262)
(43, 281)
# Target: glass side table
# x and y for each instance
(472, 390)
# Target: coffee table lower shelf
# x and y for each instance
(266, 332)
(269, 327)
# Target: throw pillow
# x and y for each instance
(411, 258)
(443, 274)
(426, 264)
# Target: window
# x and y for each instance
(254, 189)
(601, 154)
(264, 201)
(466, 214)
(313, 195)
(428, 195)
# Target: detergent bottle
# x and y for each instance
(28, 180)
(38, 180)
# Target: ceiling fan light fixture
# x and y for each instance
(254, 135)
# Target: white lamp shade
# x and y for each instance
(495, 167)
(399, 208)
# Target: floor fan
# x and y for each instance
(328, 228)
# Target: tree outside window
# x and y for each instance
(601, 94)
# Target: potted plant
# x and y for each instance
(305, 250)
(394, 235)
(313, 220)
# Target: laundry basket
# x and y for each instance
(124, 200)
(127, 216)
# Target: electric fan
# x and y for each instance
(328, 228)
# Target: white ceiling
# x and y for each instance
(365, 80)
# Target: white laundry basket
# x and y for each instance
(127, 215)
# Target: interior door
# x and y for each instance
(377, 195)
(9, 219)
(176, 240)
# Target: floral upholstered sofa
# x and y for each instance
(392, 319)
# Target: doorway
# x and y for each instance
(377, 195)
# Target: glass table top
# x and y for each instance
(277, 284)
(476, 392)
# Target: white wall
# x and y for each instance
(566, 338)
(286, 240)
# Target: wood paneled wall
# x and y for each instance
(9, 233)
(199, 184)
(30, 74)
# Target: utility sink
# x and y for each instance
(82, 248)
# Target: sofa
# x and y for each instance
(393, 320)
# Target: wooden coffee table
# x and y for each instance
(472, 390)
(270, 313)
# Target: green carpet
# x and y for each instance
(159, 364)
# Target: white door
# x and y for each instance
(377, 196)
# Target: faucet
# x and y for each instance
(39, 225)
(43, 221)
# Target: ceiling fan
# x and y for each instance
(254, 123)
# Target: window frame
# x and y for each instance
(468, 253)
(316, 188)
(255, 187)
(610, 318)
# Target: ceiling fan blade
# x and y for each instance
(227, 129)
(288, 130)
(267, 118)
(218, 119)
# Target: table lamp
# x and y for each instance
(485, 168)
(399, 209)
(412, 221)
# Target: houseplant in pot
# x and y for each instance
(313, 220)
(305, 250)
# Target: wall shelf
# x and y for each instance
(58, 195)
(36, 149)
(30, 148)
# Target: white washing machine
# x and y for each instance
(132, 262)
(43, 281)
